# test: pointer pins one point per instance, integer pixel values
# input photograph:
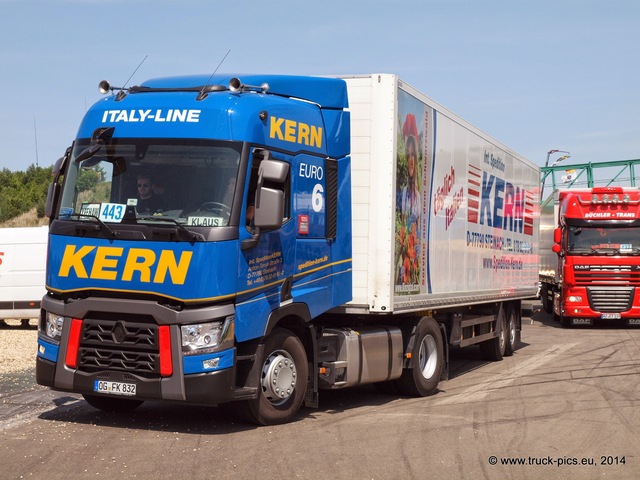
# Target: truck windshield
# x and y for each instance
(188, 182)
(604, 241)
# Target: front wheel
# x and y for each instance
(427, 358)
(283, 380)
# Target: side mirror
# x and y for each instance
(271, 209)
(57, 167)
(556, 248)
(273, 171)
(52, 199)
(557, 235)
(270, 201)
(53, 191)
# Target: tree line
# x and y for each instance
(23, 191)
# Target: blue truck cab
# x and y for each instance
(198, 226)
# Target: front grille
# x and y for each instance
(610, 300)
(622, 275)
(119, 345)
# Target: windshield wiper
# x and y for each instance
(191, 236)
(608, 251)
(617, 251)
(104, 228)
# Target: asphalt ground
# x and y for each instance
(564, 406)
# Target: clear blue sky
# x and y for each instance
(535, 74)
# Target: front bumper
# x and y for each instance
(210, 388)
(133, 358)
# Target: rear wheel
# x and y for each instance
(494, 349)
(427, 358)
(512, 332)
(283, 380)
(112, 404)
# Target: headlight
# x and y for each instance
(574, 298)
(207, 337)
(53, 326)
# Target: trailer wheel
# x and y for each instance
(495, 348)
(427, 357)
(512, 332)
(283, 381)
(112, 405)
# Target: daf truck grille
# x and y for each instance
(119, 345)
(610, 299)
(620, 275)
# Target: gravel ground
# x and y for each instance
(17, 357)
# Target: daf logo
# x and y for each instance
(119, 333)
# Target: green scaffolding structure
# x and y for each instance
(619, 173)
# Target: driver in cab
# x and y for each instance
(148, 202)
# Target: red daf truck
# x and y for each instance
(590, 256)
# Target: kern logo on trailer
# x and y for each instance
(497, 203)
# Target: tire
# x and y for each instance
(283, 381)
(112, 404)
(387, 388)
(495, 348)
(512, 332)
(427, 359)
(547, 305)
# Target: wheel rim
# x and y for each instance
(279, 377)
(428, 356)
(512, 331)
(503, 337)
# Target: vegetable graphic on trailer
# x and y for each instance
(413, 167)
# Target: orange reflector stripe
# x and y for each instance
(71, 359)
(164, 342)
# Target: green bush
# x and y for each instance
(21, 192)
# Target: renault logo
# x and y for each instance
(119, 333)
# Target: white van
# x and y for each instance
(23, 259)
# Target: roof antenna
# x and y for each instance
(104, 86)
(202, 95)
(121, 93)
